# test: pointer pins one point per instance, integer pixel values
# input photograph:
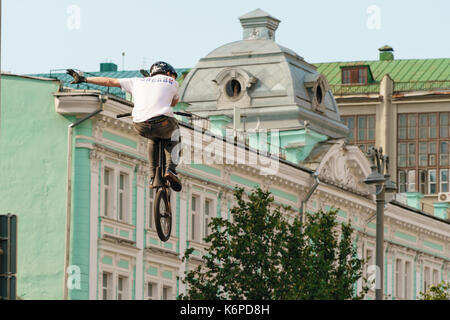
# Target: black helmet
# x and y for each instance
(161, 67)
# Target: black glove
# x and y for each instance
(77, 77)
(144, 73)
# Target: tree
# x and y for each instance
(262, 255)
(439, 291)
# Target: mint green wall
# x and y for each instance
(80, 225)
(33, 155)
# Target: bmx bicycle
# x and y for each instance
(161, 205)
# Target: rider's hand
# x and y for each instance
(77, 77)
(144, 73)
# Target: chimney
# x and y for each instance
(108, 67)
(386, 53)
(259, 25)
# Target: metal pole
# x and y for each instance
(379, 244)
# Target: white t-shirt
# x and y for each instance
(152, 96)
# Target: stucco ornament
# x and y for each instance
(342, 168)
(317, 86)
(233, 84)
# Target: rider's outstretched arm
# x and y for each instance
(100, 81)
(103, 81)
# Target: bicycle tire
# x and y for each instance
(163, 215)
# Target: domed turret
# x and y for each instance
(268, 83)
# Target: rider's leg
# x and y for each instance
(153, 154)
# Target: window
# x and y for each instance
(361, 130)
(402, 126)
(151, 218)
(426, 278)
(432, 181)
(402, 147)
(443, 178)
(402, 181)
(350, 123)
(443, 153)
(408, 279)
(233, 88)
(399, 278)
(106, 286)
(167, 293)
(106, 192)
(152, 291)
(121, 288)
(422, 181)
(354, 75)
(435, 277)
(207, 216)
(123, 187)
(424, 146)
(423, 154)
(116, 193)
(411, 154)
(443, 125)
(194, 217)
(411, 181)
(412, 126)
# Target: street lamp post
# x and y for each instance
(383, 186)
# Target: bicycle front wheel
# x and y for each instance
(163, 215)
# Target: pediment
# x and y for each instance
(346, 167)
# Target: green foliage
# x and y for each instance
(261, 255)
(437, 292)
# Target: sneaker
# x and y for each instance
(173, 179)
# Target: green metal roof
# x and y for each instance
(408, 74)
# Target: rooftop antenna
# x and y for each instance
(123, 60)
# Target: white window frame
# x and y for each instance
(115, 273)
(125, 284)
(430, 182)
(159, 282)
(399, 278)
(427, 277)
(407, 283)
(411, 181)
(109, 288)
(442, 181)
(195, 217)
(125, 194)
(107, 198)
(154, 295)
(169, 296)
(115, 170)
(435, 277)
(207, 217)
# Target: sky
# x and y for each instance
(44, 35)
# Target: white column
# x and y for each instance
(388, 273)
(140, 190)
(184, 196)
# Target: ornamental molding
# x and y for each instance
(345, 167)
(222, 80)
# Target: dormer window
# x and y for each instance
(356, 75)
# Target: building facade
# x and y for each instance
(266, 118)
(401, 105)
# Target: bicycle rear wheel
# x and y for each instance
(163, 215)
